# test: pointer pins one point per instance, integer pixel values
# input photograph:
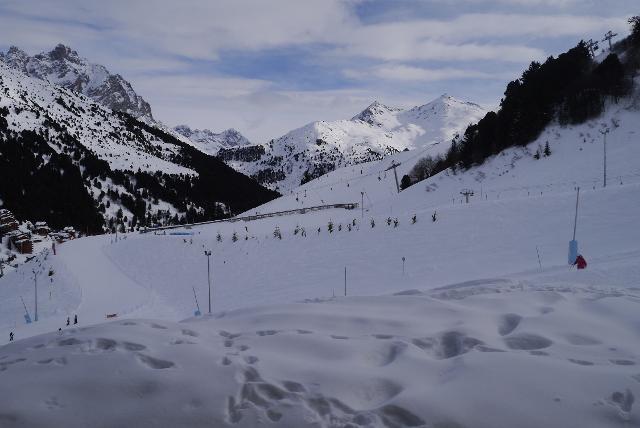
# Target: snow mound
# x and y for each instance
(388, 361)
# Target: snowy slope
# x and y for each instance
(496, 353)
(576, 160)
(378, 131)
(33, 103)
(211, 142)
(64, 67)
(481, 332)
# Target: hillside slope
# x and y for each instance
(71, 161)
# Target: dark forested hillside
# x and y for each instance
(49, 170)
(571, 89)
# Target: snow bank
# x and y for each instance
(495, 353)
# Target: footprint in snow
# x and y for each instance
(508, 323)
(266, 332)
(155, 363)
(250, 359)
(527, 341)
(581, 362)
(158, 326)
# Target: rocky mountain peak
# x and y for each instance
(211, 142)
(374, 110)
(64, 67)
(62, 52)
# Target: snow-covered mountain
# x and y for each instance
(72, 160)
(378, 131)
(63, 66)
(211, 142)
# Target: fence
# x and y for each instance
(347, 206)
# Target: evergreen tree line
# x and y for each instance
(571, 88)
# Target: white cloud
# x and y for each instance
(401, 72)
(168, 49)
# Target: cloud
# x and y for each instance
(401, 72)
(177, 53)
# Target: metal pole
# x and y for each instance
(196, 298)
(395, 174)
(35, 281)
(605, 159)
(208, 254)
(575, 220)
(345, 281)
(362, 204)
(604, 136)
(539, 262)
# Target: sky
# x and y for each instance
(266, 67)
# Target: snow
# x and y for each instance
(492, 353)
(376, 132)
(94, 126)
(210, 142)
(472, 329)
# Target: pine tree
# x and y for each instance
(547, 150)
(405, 182)
(536, 156)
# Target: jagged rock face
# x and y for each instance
(63, 66)
(211, 142)
(378, 131)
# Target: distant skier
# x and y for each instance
(11, 336)
(68, 322)
(75, 319)
(434, 217)
(580, 262)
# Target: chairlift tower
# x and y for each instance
(466, 193)
(608, 36)
(393, 166)
(592, 46)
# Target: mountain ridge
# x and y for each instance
(64, 67)
(377, 131)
